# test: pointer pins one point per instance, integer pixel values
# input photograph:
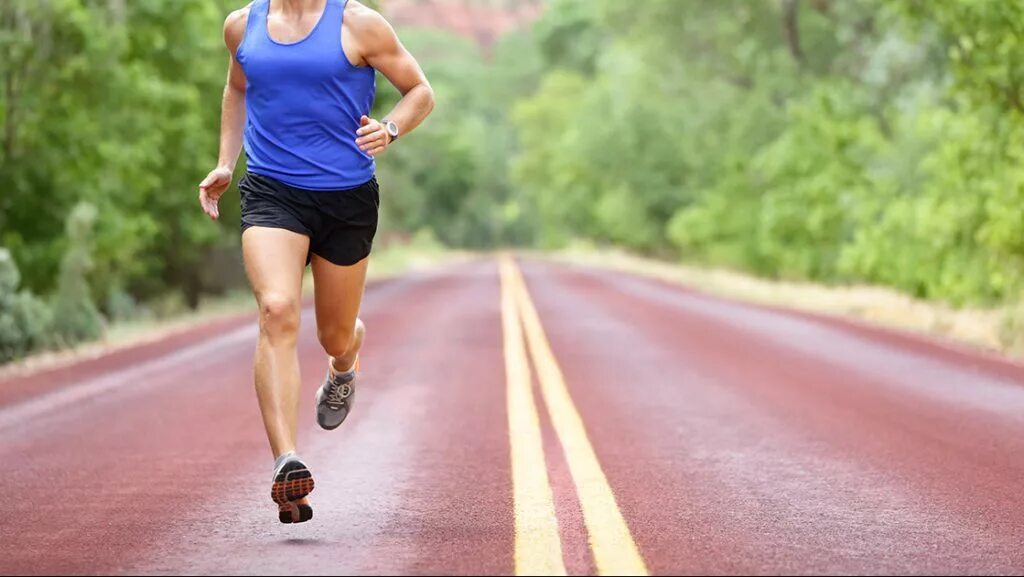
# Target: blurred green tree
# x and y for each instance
(75, 316)
(24, 319)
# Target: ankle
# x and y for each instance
(341, 366)
(283, 458)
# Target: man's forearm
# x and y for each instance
(413, 108)
(232, 123)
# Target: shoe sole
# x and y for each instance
(293, 514)
(292, 486)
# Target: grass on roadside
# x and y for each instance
(996, 329)
(387, 261)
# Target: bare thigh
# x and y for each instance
(275, 260)
(338, 296)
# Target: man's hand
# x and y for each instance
(373, 137)
(212, 188)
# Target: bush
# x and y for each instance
(1011, 330)
(76, 318)
(121, 305)
(24, 319)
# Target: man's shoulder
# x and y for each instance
(365, 21)
(235, 23)
(238, 17)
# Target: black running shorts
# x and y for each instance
(340, 224)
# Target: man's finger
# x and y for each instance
(212, 180)
(368, 129)
(369, 143)
(364, 120)
(204, 201)
(370, 138)
(377, 150)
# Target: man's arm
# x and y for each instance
(380, 48)
(232, 118)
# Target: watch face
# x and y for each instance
(392, 128)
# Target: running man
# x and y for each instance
(301, 83)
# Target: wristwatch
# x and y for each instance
(391, 128)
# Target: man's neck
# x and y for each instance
(299, 6)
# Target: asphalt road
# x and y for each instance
(536, 419)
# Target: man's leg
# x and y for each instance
(275, 260)
(339, 293)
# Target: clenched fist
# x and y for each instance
(373, 138)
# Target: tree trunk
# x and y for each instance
(9, 115)
(791, 24)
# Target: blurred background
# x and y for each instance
(836, 142)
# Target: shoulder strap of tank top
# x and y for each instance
(334, 15)
(258, 12)
(339, 5)
(254, 23)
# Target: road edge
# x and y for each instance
(966, 351)
(163, 337)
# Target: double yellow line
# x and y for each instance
(538, 547)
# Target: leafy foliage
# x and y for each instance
(75, 316)
(873, 141)
(24, 319)
(114, 103)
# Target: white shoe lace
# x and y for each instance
(338, 393)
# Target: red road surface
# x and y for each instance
(736, 439)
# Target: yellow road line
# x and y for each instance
(615, 551)
(538, 547)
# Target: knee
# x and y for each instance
(336, 341)
(279, 316)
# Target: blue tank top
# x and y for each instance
(304, 102)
